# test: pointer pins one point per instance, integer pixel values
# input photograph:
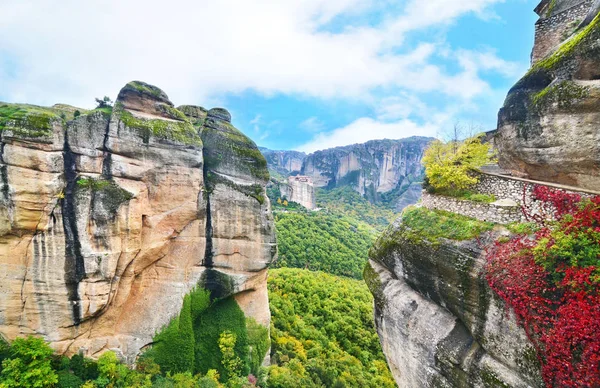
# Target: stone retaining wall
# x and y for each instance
(499, 214)
(514, 199)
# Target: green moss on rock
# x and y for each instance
(491, 380)
(564, 94)
(179, 131)
(145, 88)
(578, 43)
(227, 146)
(374, 284)
(107, 192)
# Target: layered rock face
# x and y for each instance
(284, 162)
(300, 189)
(439, 323)
(372, 168)
(549, 128)
(108, 220)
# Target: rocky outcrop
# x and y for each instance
(284, 162)
(439, 323)
(548, 128)
(372, 168)
(299, 189)
(108, 220)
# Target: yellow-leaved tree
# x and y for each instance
(447, 164)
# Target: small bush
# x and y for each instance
(448, 165)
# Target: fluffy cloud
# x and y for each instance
(198, 50)
(365, 129)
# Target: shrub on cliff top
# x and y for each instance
(447, 165)
(552, 282)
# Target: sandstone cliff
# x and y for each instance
(284, 162)
(109, 219)
(387, 171)
(372, 168)
(549, 126)
(439, 323)
(299, 189)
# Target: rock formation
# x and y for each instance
(299, 189)
(284, 162)
(108, 220)
(549, 126)
(372, 168)
(376, 169)
(439, 323)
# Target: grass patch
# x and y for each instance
(523, 227)
(28, 120)
(434, 224)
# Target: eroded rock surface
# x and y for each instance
(439, 323)
(372, 168)
(108, 220)
(549, 127)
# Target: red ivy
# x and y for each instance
(558, 308)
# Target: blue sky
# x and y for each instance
(297, 74)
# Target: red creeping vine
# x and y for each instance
(552, 282)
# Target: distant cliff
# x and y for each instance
(284, 162)
(381, 170)
(109, 218)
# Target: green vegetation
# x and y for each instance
(523, 227)
(323, 242)
(102, 103)
(567, 50)
(30, 362)
(227, 145)
(28, 365)
(466, 195)
(431, 225)
(108, 192)
(223, 315)
(347, 202)
(107, 110)
(191, 342)
(28, 120)
(145, 88)
(173, 347)
(448, 165)
(564, 94)
(323, 332)
(178, 131)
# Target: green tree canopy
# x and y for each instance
(447, 165)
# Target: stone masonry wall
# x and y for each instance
(514, 199)
(553, 29)
(481, 211)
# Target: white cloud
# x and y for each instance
(198, 50)
(312, 124)
(365, 129)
